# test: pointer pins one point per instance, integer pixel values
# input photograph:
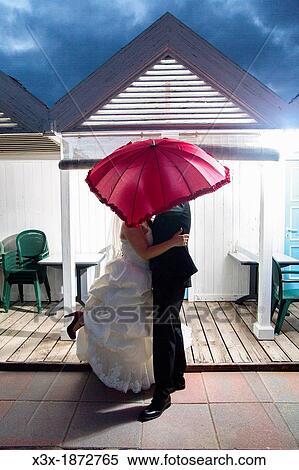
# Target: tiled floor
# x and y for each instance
(227, 410)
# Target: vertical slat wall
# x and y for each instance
(30, 197)
(223, 220)
(249, 184)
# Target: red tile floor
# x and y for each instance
(226, 410)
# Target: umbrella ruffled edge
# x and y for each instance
(181, 200)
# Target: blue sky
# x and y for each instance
(51, 45)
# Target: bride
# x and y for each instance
(115, 329)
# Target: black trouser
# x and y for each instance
(168, 347)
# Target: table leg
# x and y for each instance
(79, 271)
(253, 283)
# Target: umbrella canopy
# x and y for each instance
(148, 177)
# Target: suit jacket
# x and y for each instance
(175, 264)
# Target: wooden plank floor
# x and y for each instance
(222, 334)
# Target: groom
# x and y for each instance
(171, 274)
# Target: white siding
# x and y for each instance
(223, 220)
(30, 198)
(228, 219)
(93, 218)
(29, 195)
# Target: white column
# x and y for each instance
(192, 249)
(279, 185)
(262, 327)
(68, 231)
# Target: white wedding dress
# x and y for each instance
(120, 351)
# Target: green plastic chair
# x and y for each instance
(32, 246)
(14, 273)
(284, 291)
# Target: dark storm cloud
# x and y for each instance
(50, 45)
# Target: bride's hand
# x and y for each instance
(180, 239)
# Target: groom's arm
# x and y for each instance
(182, 214)
(168, 223)
(177, 261)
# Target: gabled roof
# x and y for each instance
(169, 94)
(169, 37)
(20, 111)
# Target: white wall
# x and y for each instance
(221, 221)
(30, 198)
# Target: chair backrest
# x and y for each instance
(1, 252)
(32, 245)
(9, 243)
(276, 279)
(9, 261)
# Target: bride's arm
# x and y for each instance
(137, 239)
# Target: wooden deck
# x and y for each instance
(222, 335)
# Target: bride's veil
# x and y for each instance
(112, 248)
(113, 241)
(116, 241)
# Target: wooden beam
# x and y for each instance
(220, 152)
(146, 127)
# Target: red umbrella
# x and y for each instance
(147, 177)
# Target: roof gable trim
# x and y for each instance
(167, 36)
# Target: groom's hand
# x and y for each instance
(180, 239)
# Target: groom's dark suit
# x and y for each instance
(171, 273)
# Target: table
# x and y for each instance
(246, 260)
(83, 261)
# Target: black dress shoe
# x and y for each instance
(155, 409)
